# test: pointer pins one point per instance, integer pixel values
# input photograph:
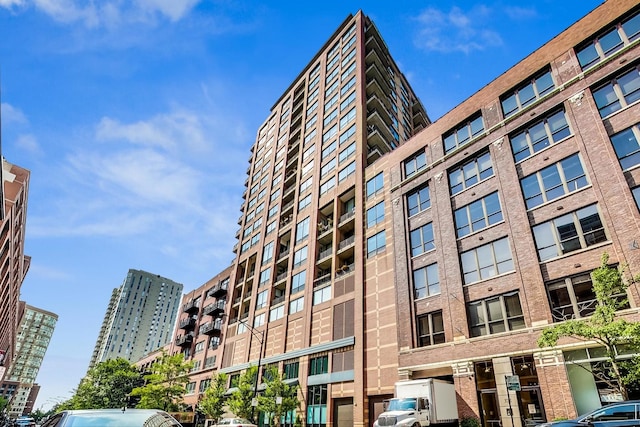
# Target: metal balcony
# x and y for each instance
(184, 340)
(187, 323)
(191, 306)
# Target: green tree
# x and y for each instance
(166, 384)
(3, 403)
(278, 398)
(605, 329)
(212, 403)
(240, 400)
(107, 385)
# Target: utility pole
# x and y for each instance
(259, 335)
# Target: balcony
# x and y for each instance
(325, 254)
(277, 300)
(322, 280)
(284, 254)
(345, 270)
(216, 309)
(349, 241)
(212, 328)
(219, 289)
(187, 323)
(282, 276)
(347, 216)
(191, 306)
(184, 340)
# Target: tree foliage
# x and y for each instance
(212, 403)
(106, 385)
(605, 329)
(278, 398)
(240, 400)
(165, 384)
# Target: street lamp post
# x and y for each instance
(259, 335)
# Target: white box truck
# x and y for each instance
(420, 403)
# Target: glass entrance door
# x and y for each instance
(531, 409)
(490, 408)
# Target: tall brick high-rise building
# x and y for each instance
(376, 247)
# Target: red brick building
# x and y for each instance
(502, 208)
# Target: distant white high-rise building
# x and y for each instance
(139, 319)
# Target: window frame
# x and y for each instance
(479, 176)
(481, 264)
(506, 319)
(430, 336)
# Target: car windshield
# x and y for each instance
(119, 419)
(613, 413)
(402, 404)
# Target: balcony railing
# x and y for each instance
(345, 269)
(191, 306)
(346, 242)
(184, 340)
(187, 323)
(325, 254)
(346, 216)
(322, 280)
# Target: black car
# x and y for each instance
(619, 414)
(112, 418)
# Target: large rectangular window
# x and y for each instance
(415, 163)
(375, 184)
(609, 42)
(618, 93)
(422, 239)
(321, 295)
(300, 256)
(487, 261)
(554, 181)
(478, 215)
(539, 135)
(430, 329)
(627, 146)
(571, 232)
(375, 214)
(496, 314)
(298, 281)
(426, 282)
(376, 244)
(317, 406)
(470, 173)
(265, 276)
(463, 133)
(527, 93)
(347, 171)
(319, 365)
(302, 230)
(418, 200)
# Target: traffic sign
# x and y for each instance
(513, 382)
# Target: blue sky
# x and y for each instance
(136, 118)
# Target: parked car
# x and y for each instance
(234, 422)
(25, 421)
(112, 418)
(619, 414)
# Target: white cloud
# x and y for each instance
(456, 30)
(29, 144)
(168, 131)
(107, 13)
(10, 114)
(10, 3)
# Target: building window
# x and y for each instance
(265, 276)
(463, 133)
(554, 181)
(321, 295)
(422, 240)
(526, 94)
(319, 365)
(478, 215)
(276, 313)
(190, 388)
(296, 305)
(540, 135)
(328, 185)
(290, 370)
(271, 227)
(302, 230)
(470, 173)
(259, 320)
(376, 244)
(375, 214)
(326, 151)
(573, 297)
(234, 380)
(494, 315)
(347, 134)
(348, 117)
(199, 347)
(347, 153)
(304, 202)
(618, 93)
(298, 281)
(317, 406)
(267, 252)
(345, 173)
(261, 300)
(571, 232)
(636, 196)
(426, 282)
(430, 329)
(627, 147)
(328, 167)
(487, 261)
(300, 256)
(375, 184)
(419, 200)
(415, 163)
(272, 211)
(204, 385)
(610, 42)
